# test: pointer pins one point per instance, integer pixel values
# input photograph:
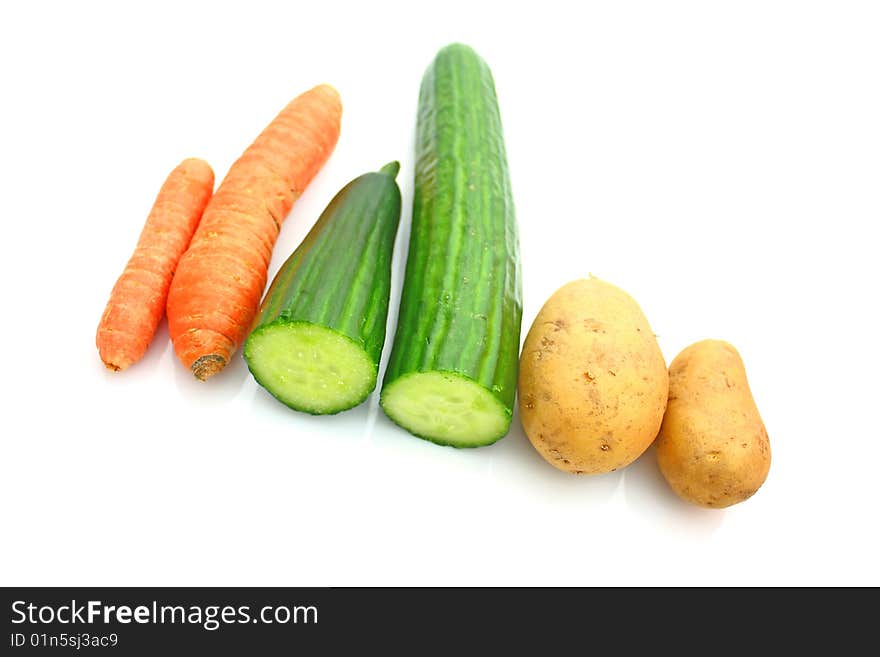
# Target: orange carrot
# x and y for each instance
(220, 279)
(137, 301)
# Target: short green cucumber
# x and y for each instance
(317, 340)
(451, 377)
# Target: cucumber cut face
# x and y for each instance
(309, 367)
(446, 408)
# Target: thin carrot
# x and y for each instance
(220, 279)
(137, 301)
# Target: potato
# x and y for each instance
(712, 448)
(592, 379)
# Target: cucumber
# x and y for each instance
(451, 377)
(317, 340)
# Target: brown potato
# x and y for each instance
(712, 448)
(592, 380)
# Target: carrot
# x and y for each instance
(220, 279)
(137, 301)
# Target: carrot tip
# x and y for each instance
(112, 367)
(208, 365)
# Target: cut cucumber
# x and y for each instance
(318, 337)
(451, 377)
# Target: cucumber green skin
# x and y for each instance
(461, 303)
(340, 275)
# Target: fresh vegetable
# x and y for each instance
(592, 380)
(713, 448)
(321, 327)
(451, 377)
(217, 288)
(137, 301)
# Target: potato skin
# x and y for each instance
(713, 448)
(593, 383)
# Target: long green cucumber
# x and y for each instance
(317, 340)
(451, 377)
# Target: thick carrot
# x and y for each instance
(137, 301)
(220, 279)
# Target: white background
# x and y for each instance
(719, 161)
